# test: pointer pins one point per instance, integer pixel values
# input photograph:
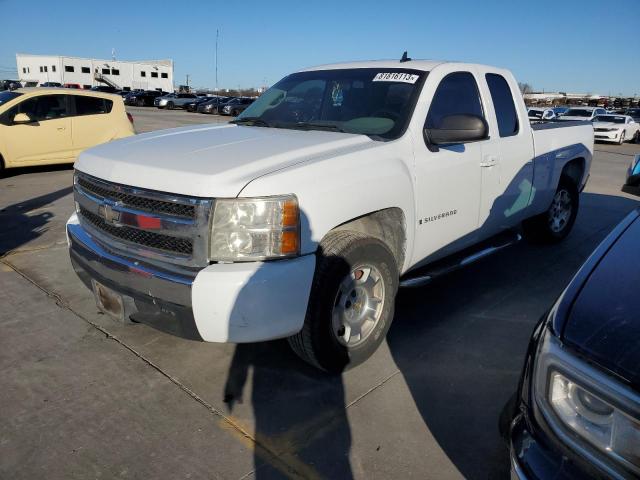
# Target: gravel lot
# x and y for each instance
(85, 397)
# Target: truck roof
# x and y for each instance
(426, 65)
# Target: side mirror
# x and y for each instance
(460, 128)
(21, 118)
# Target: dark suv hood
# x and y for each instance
(604, 321)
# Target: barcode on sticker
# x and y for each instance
(396, 77)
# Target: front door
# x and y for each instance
(46, 138)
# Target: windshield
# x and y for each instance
(578, 112)
(635, 113)
(609, 118)
(8, 96)
(365, 101)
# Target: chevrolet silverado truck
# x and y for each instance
(302, 217)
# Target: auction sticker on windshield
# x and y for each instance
(396, 77)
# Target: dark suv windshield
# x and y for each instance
(8, 96)
(366, 101)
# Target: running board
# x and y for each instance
(424, 275)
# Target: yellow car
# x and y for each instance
(41, 126)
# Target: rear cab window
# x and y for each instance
(505, 109)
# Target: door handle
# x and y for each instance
(489, 161)
(60, 129)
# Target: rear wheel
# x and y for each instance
(234, 113)
(555, 224)
(351, 303)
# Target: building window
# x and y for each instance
(53, 68)
(45, 68)
(154, 74)
(105, 71)
(24, 70)
(143, 74)
(69, 68)
(115, 71)
(86, 70)
(164, 75)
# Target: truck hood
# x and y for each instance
(211, 161)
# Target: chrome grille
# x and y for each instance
(143, 203)
(154, 227)
(148, 239)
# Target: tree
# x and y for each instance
(525, 88)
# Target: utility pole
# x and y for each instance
(187, 80)
(217, 35)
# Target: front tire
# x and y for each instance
(555, 224)
(621, 141)
(351, 303)
(140, 102)
(170, 106)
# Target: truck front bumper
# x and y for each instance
(234, 302)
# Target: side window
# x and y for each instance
(503, 105)
(92, 105)
(42, 108)
(86, 70)
(164, 75)
(457, 94)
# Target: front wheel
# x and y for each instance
(555, 224)
(140, 102)
(621, 141)
(351, 303)
(170, 106)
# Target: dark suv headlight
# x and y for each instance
(585, 407)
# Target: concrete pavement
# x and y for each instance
(85, 397)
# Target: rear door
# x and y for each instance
(507, 166)
(92, 122)
(47, 138)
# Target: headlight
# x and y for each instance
(249, 229)
(576, 398)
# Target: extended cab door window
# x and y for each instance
(503, 105)
(457, 94)
(46, 138)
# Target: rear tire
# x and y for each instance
(351, 303)
(555, 224)
(234, 113)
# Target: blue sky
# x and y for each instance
(571, 45)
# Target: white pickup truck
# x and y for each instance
(303, 216)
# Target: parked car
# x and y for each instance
(143, 98)
(559, 111)
(582, 113)
(41, 126)
(615, 128)
(173, 100)
(303, 216)
(105, 89)
(193, 105)
(576, 414)
(214, 105)
(633, 113)
(51, 85)
(10, 84)
(540, 114)
(77, 86)
(236, 106)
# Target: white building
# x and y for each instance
(89, 72)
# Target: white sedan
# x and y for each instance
(615, 128)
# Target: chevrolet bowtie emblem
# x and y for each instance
(109, 214)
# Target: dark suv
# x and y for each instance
(143, 99)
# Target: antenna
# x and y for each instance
(405, 58)
(217, 35)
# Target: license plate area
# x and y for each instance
(108, 301)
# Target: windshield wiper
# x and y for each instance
(318, 126)
(251, 121)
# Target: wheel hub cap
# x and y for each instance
(560, 211)
(358, 305)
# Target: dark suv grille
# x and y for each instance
(157, 241)
(138, 202)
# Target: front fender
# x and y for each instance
(333, 191)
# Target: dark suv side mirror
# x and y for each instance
(460, 128)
